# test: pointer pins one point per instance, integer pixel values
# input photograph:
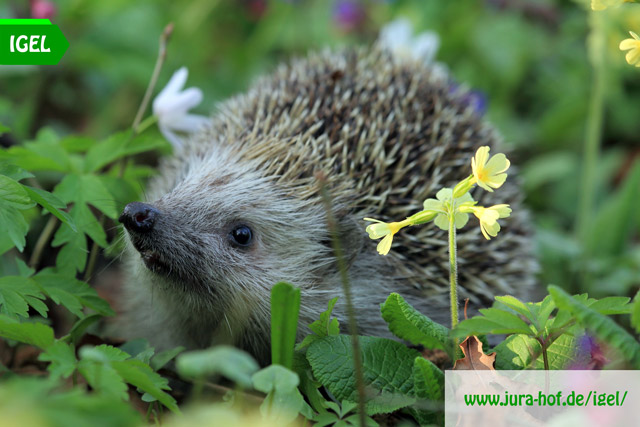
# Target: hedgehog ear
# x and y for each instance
(351, 238)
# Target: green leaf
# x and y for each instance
(103, 378)
(308, 385)
(82, 189)
(80, 327)
(285, 307)
(51, 203)
(4, 129)
(635, 314)
(611, 305)
(603, 327)
(506, 320)
(14, 172)
(517, 305)
(73, 255)
(428, 380)
(429, 389)
(407, 323)
(103, 353)
(37, 334)
(561, 353)
(62, 357)
(234, 364)
(284, 401)
(162, 358)
(13, 224)
(13, 194)
(324, 326)
(17, 293)
(142, 376)
(71, 293)
(517, 351)
(45, 153)
(105, 152)
(387, 369)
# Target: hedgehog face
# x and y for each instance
(226, 232)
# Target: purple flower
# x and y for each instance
(476, 99)
(348, 14)
(588, 355)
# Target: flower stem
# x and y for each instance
(597, 45)
(346, 287)
(46, 233)
(453, 271)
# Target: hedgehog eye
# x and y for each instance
(241, 235)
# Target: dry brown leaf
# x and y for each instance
(474, 358)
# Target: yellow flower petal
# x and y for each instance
(489, 172)
(385, 245)
(627, 44)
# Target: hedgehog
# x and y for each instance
(239, 209)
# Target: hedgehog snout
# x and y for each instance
(139, 217)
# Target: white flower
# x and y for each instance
(397, 36)
(171, 107)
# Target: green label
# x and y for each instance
(31, 42)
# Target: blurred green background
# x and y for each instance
(529, 58)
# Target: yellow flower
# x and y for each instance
(633, 45)
(489, 218)
(386, 230)
(489, 172)
(603, 4)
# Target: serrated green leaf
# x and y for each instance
(83, 189)
(545, 309)
(285, 307)
(407, 323)
(322, 327)
(429, 389)
(73, 255)
(308, 385)
(233, 363)
(387, 369)
(13, 224)
(103, 353)
(103, 378)
(51, 203)
(106, 151)
(62, 357)
(142, 376)
(71, 293)
(603, 327)
(480, 325)
(17, 293)
(45, 153)
(37, 334)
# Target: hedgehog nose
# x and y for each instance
(139, 217)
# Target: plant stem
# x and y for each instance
(135, 127)
(453, 271)
(351, 316)
(597, 45)
(162, 55)
(545, 357)
(46, 233)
